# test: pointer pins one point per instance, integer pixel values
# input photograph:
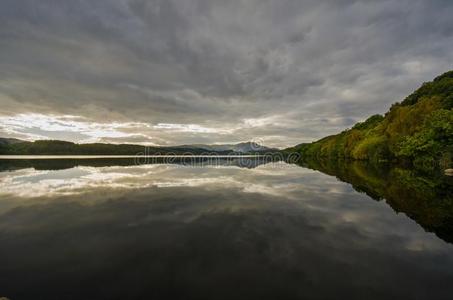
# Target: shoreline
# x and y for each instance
(19, 157)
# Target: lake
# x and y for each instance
(227, 228)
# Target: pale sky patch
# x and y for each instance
(191, 128)
(39, 126)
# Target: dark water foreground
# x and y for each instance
(227, 229)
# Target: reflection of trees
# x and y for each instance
(425, 198)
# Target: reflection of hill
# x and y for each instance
(426, 199)
(60, 164)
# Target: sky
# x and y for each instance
(167, 72)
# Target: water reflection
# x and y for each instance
(426, 198)
(193, 161)
(69, 177)
(114, 230)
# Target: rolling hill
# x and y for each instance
(55, 147)
(246, 147)
(418, 130)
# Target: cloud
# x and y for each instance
(313, 67)
(67, 127)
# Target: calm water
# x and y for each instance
(229, 229)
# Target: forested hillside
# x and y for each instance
(419, 129)
(54, 147)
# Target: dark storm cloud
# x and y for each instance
(311, 67)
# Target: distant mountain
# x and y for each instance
(9, 141)
(246, 147)
(55, 147)
(419, 130)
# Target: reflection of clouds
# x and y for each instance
(176, 218)
(194, 182)
(79, 180)
(61, 182)
(297, 192)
